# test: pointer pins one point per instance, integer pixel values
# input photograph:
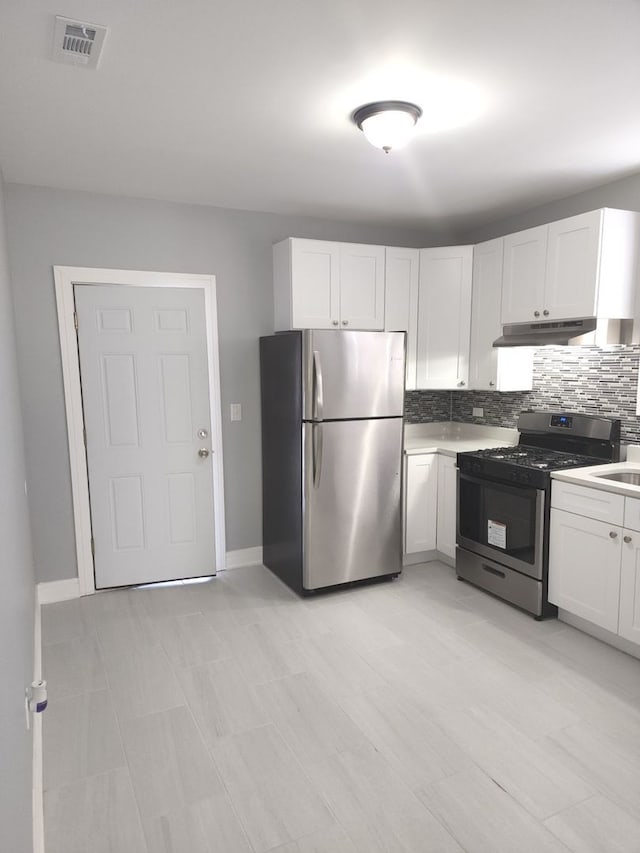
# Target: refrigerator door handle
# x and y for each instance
(318, 394)
(316, 446)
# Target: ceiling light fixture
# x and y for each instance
(387, 124)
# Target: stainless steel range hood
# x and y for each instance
(558, 333)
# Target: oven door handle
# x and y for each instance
(487, 481)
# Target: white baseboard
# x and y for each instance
(243, 557)
(599, 633)
(427, 557)
(36, 721)
(52, 591)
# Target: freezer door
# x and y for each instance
(353, 374)
(352, 501)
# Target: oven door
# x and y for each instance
(502, 522)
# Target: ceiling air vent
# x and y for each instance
(77, 43)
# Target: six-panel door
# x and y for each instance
(145, 391)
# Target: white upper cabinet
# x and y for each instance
(361, 286)
(323, 285)
(491, 368)
(401, 302)
(571, 278)
(525, 256)
(583, 266)
(444, 314)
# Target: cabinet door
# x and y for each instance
(584, 567)
(401, 302)
(491, 368)
(447, 499)
(629, 617)
(421, 502)
(444, 317)
(361, 286)
(315, 296)
(485, 314)
(571, 280)
(525, 256)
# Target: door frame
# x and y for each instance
(65, 278)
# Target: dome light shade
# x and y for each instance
(387, 124)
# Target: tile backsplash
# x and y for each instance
(594, 380)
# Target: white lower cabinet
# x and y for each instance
(430, 504)
(594, 557)
(629, 614)
(421, 502)
(447, 499)
(584, 567)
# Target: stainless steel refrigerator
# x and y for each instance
(332, 434)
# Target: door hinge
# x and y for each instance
(93, 547)
(75, 320)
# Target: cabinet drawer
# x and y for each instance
(592, 503)
(632, 513)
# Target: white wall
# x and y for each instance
(17, 596)
(624, 194)
(48, 227)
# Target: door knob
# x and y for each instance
(627, 539)
(536, 313)
(334, 322)
(545, 312)
(345, 322)
(613, 534)
(203, 453)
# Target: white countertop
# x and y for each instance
(592, 477)
(450, 437)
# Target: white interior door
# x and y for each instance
(145, 391)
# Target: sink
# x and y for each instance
(632, 478)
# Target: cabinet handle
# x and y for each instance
(536, 313)
(345, 322)
(628, 539)
(334, 323)
(613, 534)
(545, 312)
(461, 383)
(491, 384)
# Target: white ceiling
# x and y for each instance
(246, 103)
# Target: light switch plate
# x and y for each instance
(477, 412)
(236, 411)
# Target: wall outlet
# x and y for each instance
(236, 411)
(477, 412)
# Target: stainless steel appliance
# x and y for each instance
(504, 502)
(332, 435)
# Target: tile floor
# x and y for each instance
(418, 715)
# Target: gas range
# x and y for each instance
(504, 498)
(523, 463)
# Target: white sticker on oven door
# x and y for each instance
(497, 534)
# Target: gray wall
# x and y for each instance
(624, 194)
(48, 227)
(17, 599)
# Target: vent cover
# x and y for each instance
(77, 42)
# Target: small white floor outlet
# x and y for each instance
(477, 412)
(236, 411)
